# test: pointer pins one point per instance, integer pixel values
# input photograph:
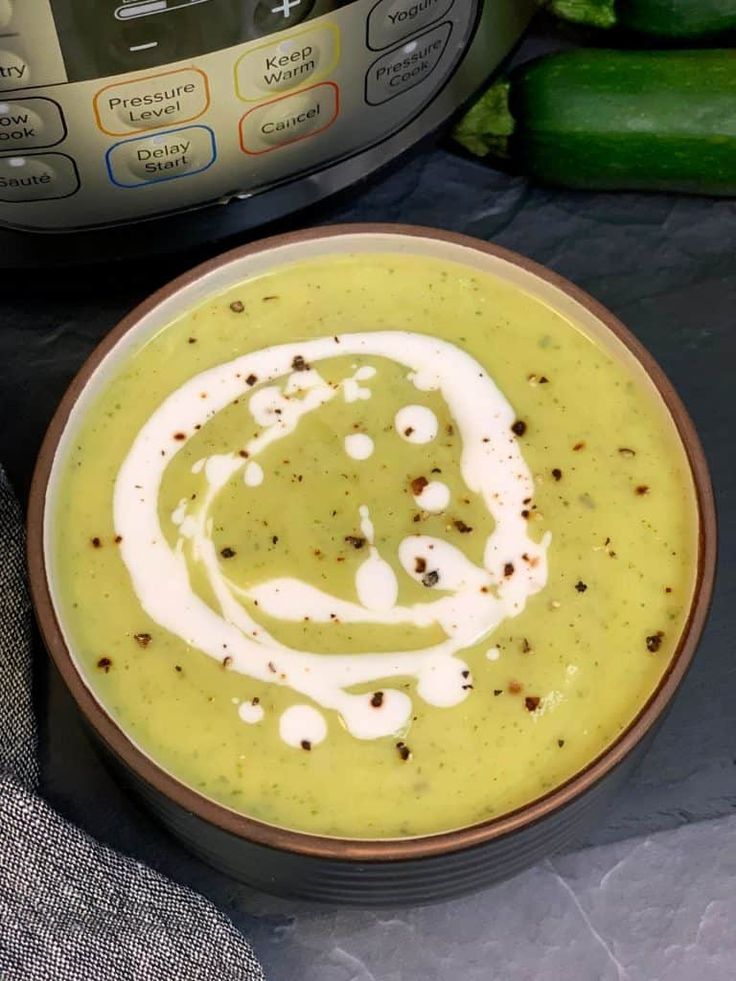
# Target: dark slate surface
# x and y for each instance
(665, 265)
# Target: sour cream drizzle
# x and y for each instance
(466, 600)
(359, 446)
(434, 498)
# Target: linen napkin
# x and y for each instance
(70, 908)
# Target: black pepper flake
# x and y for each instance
(118, 539)
(525, 513)
(417, 485)
(519, 427)
(143, 640)
(355, 540)
(525, 645)
(668, 589)
(654, 642)
(191, 340)
(560, 743)
(642, 489)
(237, 306)
(531, 703)
(305, 744)
(462, 527)
(179, 437)
(178, 668)
(625, 451)
(227, 662)
(435, 470)
(299, 364)
(498, 691)
(508, 569)
(274, 539)
(580, 586)
(104, 664)
(251, 380)
(544, 380)
(96, 542)
(557, 473)
(272, 667)
(266, 299)
(227, 552)
(420, 564)
(408, 431)
(377, 700)
(404, 751)
(579, 446)
(430, 578)
(244, 454)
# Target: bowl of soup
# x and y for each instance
(372, 556)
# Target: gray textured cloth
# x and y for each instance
(70, 908)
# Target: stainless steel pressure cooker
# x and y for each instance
(183, 118)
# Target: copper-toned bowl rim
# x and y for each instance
(380, 850)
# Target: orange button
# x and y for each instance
(152, 101)
(290, 119)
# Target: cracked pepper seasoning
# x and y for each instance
(540, 697)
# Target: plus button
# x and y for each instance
(285, 7)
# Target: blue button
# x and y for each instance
(161, 156)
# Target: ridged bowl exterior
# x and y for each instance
(409, 882)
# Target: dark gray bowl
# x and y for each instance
(366, 872)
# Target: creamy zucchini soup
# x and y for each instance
(373, 546)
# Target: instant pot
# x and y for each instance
(147, 125)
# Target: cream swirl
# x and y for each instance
(468, 601)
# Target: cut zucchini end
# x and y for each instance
(594, 13)
(487, 127)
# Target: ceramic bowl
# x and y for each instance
(363, 872)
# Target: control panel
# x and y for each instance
(116, 110)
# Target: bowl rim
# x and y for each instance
(388, 849)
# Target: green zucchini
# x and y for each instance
(608, 120)
(687, 19)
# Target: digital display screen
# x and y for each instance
(110, 37)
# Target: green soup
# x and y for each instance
(374, 546)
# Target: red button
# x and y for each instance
(289, 119)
